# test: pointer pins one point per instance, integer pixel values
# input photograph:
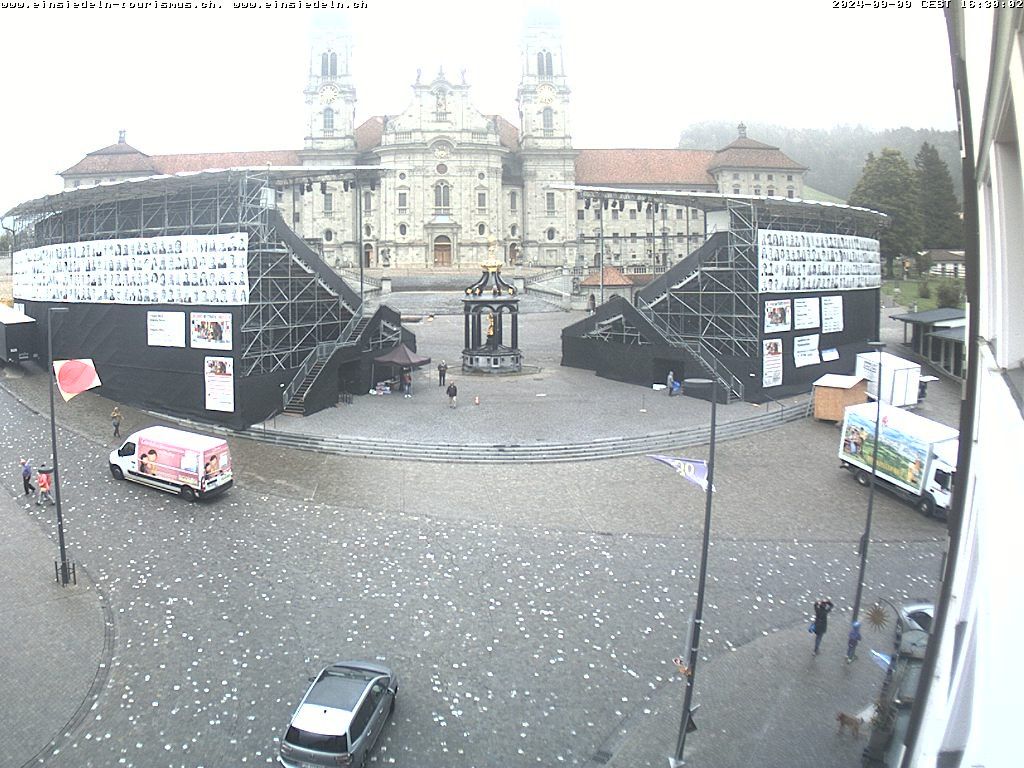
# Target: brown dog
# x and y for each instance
(848, 721)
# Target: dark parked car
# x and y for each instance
(341, 716)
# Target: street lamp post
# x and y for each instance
(698, 613)
(64, 570)
(865, 538)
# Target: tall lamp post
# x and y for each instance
(64, 569)
(698, 612)
(865, 538)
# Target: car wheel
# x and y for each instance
(187, 493)
(116, 472)
(863, 477)
(926, 505)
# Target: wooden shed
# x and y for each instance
(833, 392)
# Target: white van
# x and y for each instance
(193, 466)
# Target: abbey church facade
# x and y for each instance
(452, 181)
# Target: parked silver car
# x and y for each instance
(341, 716)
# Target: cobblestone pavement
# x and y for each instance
(531, 610)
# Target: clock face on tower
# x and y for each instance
(328, 94)
(546, 94)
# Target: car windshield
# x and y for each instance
(316, 741)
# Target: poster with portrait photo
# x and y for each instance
(210, 330)
(805, 350)
(183, 269)
(218, 373)
(831, 314)
(771, 362)
(165, 329)
(776, 316)
(790, 261)
(806, 313)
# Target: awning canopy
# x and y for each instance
(402, 355)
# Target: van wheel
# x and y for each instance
(187, 493)
(116, 472)
(926, 505)
(863, 477)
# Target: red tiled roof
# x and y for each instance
(508, 134)
(117, 158)
(747, 153)
(644, 166)
(612, 278)
(368, 135)
(204, 161)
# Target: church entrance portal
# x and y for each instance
(442, 251)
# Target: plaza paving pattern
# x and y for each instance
(532, 611)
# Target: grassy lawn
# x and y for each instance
(906, 293)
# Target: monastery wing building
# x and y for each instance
(450, 178)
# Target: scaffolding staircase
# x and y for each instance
(294, 396)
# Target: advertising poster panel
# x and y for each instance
(776, 316)
(220, 384)
(771, 362)
(210, 330)
(831, 314)
(816, 261)
(165, 329)
(806, 313)
(805, 350)
(187, 269)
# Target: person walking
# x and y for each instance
(453, 393)
(821, 610)
(43, 478)
(26, 477)
(442, 371)
(115, 421)
(670, 382)
(851, 642)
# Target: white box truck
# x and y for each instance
(193, 466)
(901, 379)
(916, 456)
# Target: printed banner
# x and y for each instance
(771, 362)
(901, 455)
(831, 314)
(805, 350)
(189, 269)
(210, 330)
(694, 470)
(165, 329)
(776, 316)
(220, 384)
(806, 313)
(816, 261)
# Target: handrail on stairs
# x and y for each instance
(702, 352)
(319, 353)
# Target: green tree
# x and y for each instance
(941, 225)
(949, 294)
(888, 184)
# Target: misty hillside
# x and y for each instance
(836, 155)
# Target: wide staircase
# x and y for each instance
(651, 296)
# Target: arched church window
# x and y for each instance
(540, 64)
(403, 229)
(328, 235)
(334, 65)
(548, 116)
(551, 233)
(328, 120)
(324, 59)
(442, 196)
(547, 61)
(481, 229)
